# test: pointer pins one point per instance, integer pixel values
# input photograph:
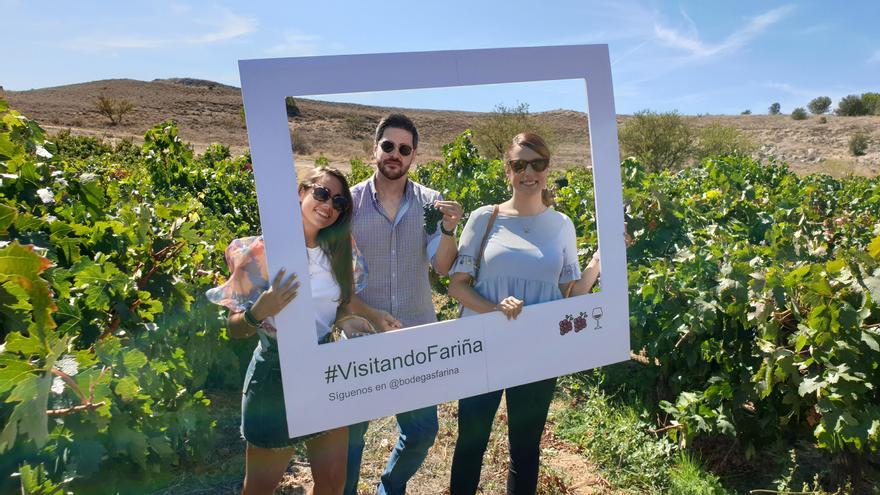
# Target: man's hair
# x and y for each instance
(397, 121)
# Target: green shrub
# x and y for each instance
(746, 112)
(820, 105)
(858, 144)
(493, 134)
(718, 139)
(658, 140)
(359, 172)
(851, 106)
(105, 293)
(775, 109)
(74, 146)
(871, 101)
(114, 109)
(799, 114)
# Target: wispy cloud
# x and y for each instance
(875, 58)
(295, 45)
(792, 90)
(696, 48)
(228, 26)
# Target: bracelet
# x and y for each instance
(250, 319)
(447, 232)
(341, 334)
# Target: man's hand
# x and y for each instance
(510, 306)
(276, 297)
(452, 213)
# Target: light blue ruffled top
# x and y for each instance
(526, 257)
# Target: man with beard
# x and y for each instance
(389, 228)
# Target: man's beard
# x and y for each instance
(392, 175)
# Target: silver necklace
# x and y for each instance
(527, 227)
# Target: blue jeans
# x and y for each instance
(418, 429)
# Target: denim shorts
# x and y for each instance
(263, 416)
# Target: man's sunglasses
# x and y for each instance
(322, 194)
(538, 165)
(388, 147)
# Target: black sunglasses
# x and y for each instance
(322, 194)
(388, 147)
(538, 165)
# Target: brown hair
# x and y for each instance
(335, 240)
(537, 144)
(397, 121)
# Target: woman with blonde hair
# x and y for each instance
(517, 253)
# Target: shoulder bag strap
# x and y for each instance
(483, 244)
(480, 253)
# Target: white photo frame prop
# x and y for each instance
(327, 386)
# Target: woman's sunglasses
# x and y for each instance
(322, 194)
(388, 147)
(538, 165)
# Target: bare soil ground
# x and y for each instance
(564, 471)
(208, 112)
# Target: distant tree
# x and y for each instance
(746, 112)
(872, 103)
(775, 109)
(851, 106)
(799, 114)
(820, 105)
(493, 135)
(658, 140)
(858, 143)
(114, 109)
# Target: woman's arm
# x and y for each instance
(460, 289)
(270, 302)
(587, 280)
(238, 327)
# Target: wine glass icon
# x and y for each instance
(597, 314)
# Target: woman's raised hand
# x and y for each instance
(510, 306)
(276, 297)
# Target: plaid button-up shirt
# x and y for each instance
(398, 252)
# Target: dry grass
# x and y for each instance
(208, 112)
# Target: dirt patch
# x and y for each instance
(563, 469)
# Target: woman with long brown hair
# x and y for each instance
(530, 257)
(335, 274)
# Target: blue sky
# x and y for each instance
(691, 56)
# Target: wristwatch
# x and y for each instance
(447, 232)
(249, 317)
